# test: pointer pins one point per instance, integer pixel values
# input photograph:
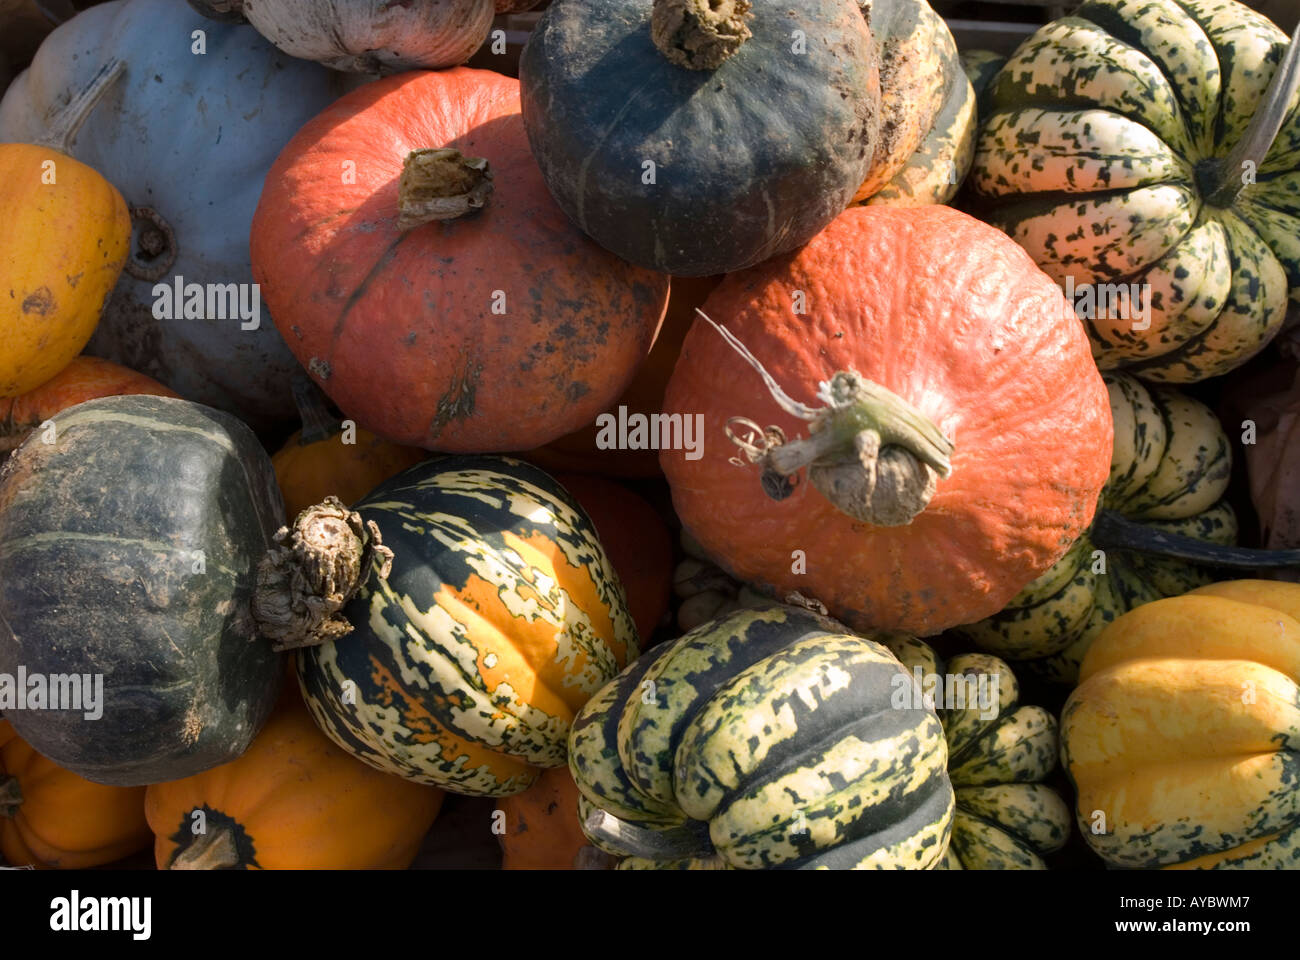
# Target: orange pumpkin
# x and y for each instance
(416, 265)
(323, 459)
(958, 444)
(85, 378)
(579, 451)
(542, 831)
(294, 801)
(637, 542)
(50, 817)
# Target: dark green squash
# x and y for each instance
(128, 548)
(768, 739)
(464, 664)
(702, 169)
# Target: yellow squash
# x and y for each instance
(63, 244)
(1181, 737)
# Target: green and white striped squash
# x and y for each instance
(1120, 149)
(770, 738)
(999, 753)
(500, 617)
(1162, 526)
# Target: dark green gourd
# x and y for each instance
(697, 137)
(129, 547)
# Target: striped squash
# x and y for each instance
(128, 548)
(927, 107)
(1120, 150)
(999, 753)
(1180, 736)
(501, 615)
(767, 739)
(1169, 470)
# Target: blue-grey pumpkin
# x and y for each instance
(187, 137)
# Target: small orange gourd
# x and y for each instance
(50, 817)
(64, 243)
(542, 831)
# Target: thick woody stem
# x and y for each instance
(441, 184)
(215, 850)
(699, 34)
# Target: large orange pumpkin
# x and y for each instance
(962, 460)
(581, 450)
(294, 801)
(637, 542)
(50, 817)
(438, 301)
(85, 378)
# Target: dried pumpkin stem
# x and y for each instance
(61, 128)
(317, 422)
(320, 565)
(1225, 180)
(689, 840)
(1113, 531)
(876, 457)
(11, 796)
(441, 184)
(699, 34)
(217, 849)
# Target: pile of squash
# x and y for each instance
(755, 437)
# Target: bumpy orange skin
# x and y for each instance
(66, 822)
(85, 378)
(310, 472)
(637, 542)
(398, 327)
(62, 248)
(542, 829)
(940, 309)
(304, 803)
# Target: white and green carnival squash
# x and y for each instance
(1162, 528)
(483, 613)
(1151, 149)
(999, 753)
(768, 739)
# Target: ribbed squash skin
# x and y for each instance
(99, 535)
(1094, 158)
(927, 107)
(952, 317)
(1006, 817)
(1170, 469)
(65, 821)
(751, 159)
(295, 801)
(61, 252)
(501, 616)
(1182, 731)
(404, 330)
(760, 724)
(85, 378)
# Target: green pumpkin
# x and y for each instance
(999, 753)
(128, 548)
(1119, 149)
(463, 667)
(1162, 528)
(767, 739)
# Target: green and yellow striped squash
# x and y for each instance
(1169, 469)
(500, 617)
(1119, 149)
(999, 753)
(927, 107)
(770, 738)
(1180, 738)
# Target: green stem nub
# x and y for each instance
(11, 796)
(320, 564)
(217, 849)
(876, 457)
(441, 184)
(699, 34)
(1226, 178)
(1113, 531)
(688, 841)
